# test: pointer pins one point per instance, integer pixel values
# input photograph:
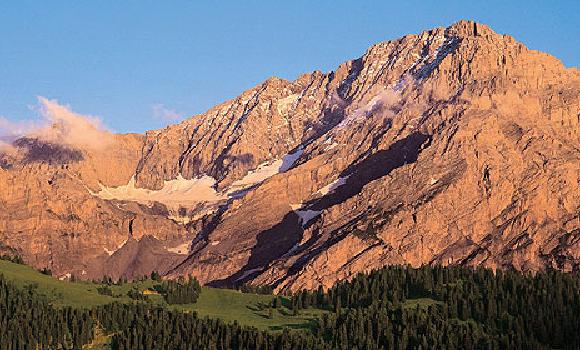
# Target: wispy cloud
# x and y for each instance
(6, 148)
(58, 124)
(166, 114)
(382, 101)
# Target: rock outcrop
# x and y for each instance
(457, 145)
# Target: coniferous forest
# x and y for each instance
(180, 291)
(392, 308)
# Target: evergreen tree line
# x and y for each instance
(506, 309)
(250, 288)
(181, 291)
(392, 308)
(27, 321)
(140, 326)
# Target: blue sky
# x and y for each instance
(139, 65)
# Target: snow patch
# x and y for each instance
(180, 192)
(265, 171)
(254, 177)
(306, 215)
(110, 252)
(292, 250)
(180, 249)
(333, 185)
(291, 158)
(331, 146)
(174, 193)
(284, 104)
(430, 61)
(247, 273)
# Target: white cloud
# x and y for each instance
(59, 124)
(381, 101)
(6, 148)
(166, 114)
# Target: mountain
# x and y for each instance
(454, 146)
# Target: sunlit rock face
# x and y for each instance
(457, 145)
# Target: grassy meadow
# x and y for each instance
(228, 305)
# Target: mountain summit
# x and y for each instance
(454, 146)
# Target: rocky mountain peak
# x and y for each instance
(455, 145)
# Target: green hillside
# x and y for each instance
(228, 305)
(248, 309)
(59, 293)
(396, 307)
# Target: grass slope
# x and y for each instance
(248, 309)
(228, 305)
(60, 293)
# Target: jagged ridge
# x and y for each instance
(456, 145)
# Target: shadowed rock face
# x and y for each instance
(456, 145)
(50, 153)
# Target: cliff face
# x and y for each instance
(51, 216)
(457, 145)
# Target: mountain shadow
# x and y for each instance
(375, 166)
(271, 244)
